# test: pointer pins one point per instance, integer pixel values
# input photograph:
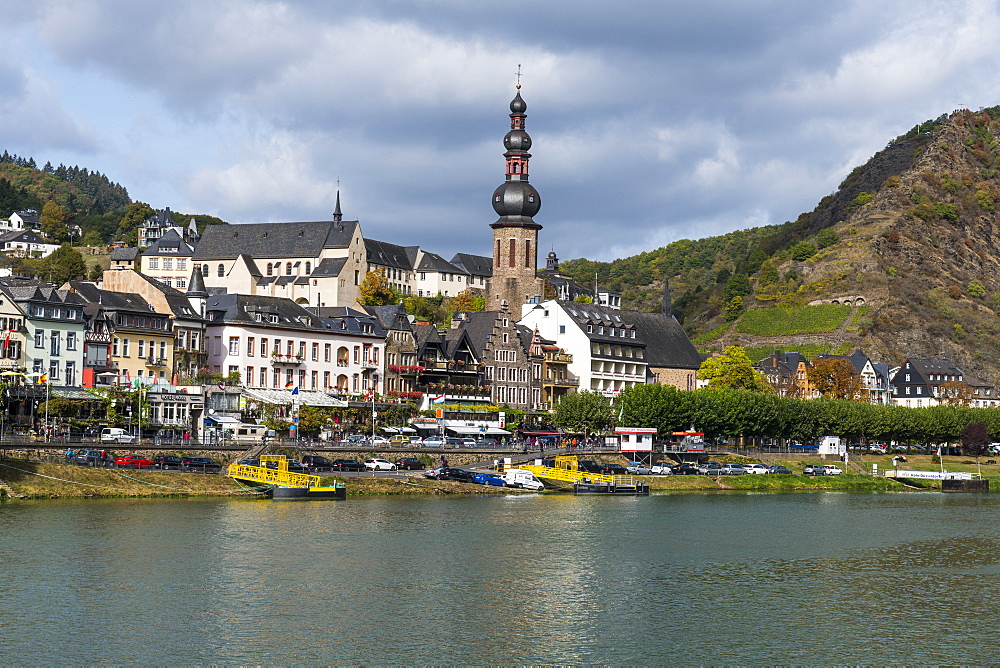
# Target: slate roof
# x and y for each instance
(26, 236)
(390, 255)
(115, 301)
(667, 345)
(331, 266)
(243, 309)
(273, 240)
(434, 262)
(170, 239)
(125, 254)
(476, 265)
(478, 327)
(391, 317)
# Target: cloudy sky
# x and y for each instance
(652, 120)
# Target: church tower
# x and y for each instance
(515, 233)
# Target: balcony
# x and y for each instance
(109, 365)
(156, 361)
(561, 382)
(293, 360)
(559, 357)
(405, 369)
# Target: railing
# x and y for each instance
(561, 382)
(276, 476)
(578, 476)
(156, 361)
(287, 359)
(559, 357)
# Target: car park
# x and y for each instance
(317, 463)
(780, 470)
(377, 464)
(756, 469)
(133, 462)
(638, 468)
(489, 479)
(347, 465)
(662, 468)
(165, 462)
(200, 465)
(409, 464)
(733, 469)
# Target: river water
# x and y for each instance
(667, 579)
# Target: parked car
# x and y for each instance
(416, 440)
(638, 468)
(347, 465)
(317, 463)
(355, 439)
(813, 469)
(588, 466)
(662, 468)
(200, 465)
(409, 464)
(468, 442)
(487, 443)
(245, 462)
(614, 469)
(133, 462)
(91, 458)
(489, 479)
(434, 442)
(456, 474)
(377, 464)
(523, 479)
(711, 468)
(454, 442)
(116, 435)
(295, 466)
(378, 440)
(832, 469)
(756, 469)
(685, 468)
(399, 439)
(780, 470)
(165, 462)
(433, 473)
(878, 449)
(733, 469)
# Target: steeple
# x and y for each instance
(515, 233)
(337, 215)
(668, 308)
(196, 286)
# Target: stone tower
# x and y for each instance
(515, 233)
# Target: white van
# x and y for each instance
(523, 479)
(250, 432)
(116, 435)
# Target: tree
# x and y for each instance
(96, 271)
(64, 264)
(975, 439)
(836, 378)
(732, 369)
(768, 274)
(136, 214)
(463, 301)
(955, 393)
(375, 290)
(826, 238)
(53, 222)
(584, 411)
(803, 251)
(653, 405)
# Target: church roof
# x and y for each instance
(274, 240)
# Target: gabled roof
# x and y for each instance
(478, 327)
(274, 240)
(391, 317)
(127, 254)
(160, 219)
(26, 236)
(477, 265)
(170, 240)
(389, 255)
(113, 301)
(667, 345)
(330, 267)
(434, 262)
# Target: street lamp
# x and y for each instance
(374, 414)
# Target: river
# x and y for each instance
(800, 578)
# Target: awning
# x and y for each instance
(222, 419)
(464, 430)
(390, 430)
(407, 430)
(497, 431)
(541, 433)
(285, 397)
(71, 393)
(429, 427)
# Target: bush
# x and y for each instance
(826, 238)
(976, 289)
(803, 251)
(860, 200)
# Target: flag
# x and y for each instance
(438, 399)
(44, 378)
(6, 341)
(289, 385)
(295, 390)
(128, 378)
(156, 380)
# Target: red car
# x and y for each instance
(133, 462)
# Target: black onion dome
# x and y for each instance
(516, 200)
(517, 140)
(517, 105)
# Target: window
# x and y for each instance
(309, 271)
(53, 370)
(168, 263)
(315, 355)
(142, 347)
(40, 338)
(277, 378)
(326, 380)
(114, 347)
(182, 264)
(277, 347)
(154, 263)
(302, 350)
(70, 340)
(288, 269)
(328, 352)
(54, 343)
(290, 349)
(263, 376)
(71, 373)
(248, 378)
(163, 350)
(125, 343)
(513, 253)
(263, 347)
(251, 343)
(194, 341)
(234, 345)
(222, 270)
(270, 268)
(527, 257)
(181, 283)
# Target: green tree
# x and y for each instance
(375, 290)
(733, 307)
(651, 405)
(768, 274)
(53, 222)
(732, 369)
(836, 378)
(738, 285)
(136, 214)
(463, 301)
(975, 289)
(63, 264)
(96, 271)
(803, 251)
(585, 411)
(826, 238)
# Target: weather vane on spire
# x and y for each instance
(518, 86)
